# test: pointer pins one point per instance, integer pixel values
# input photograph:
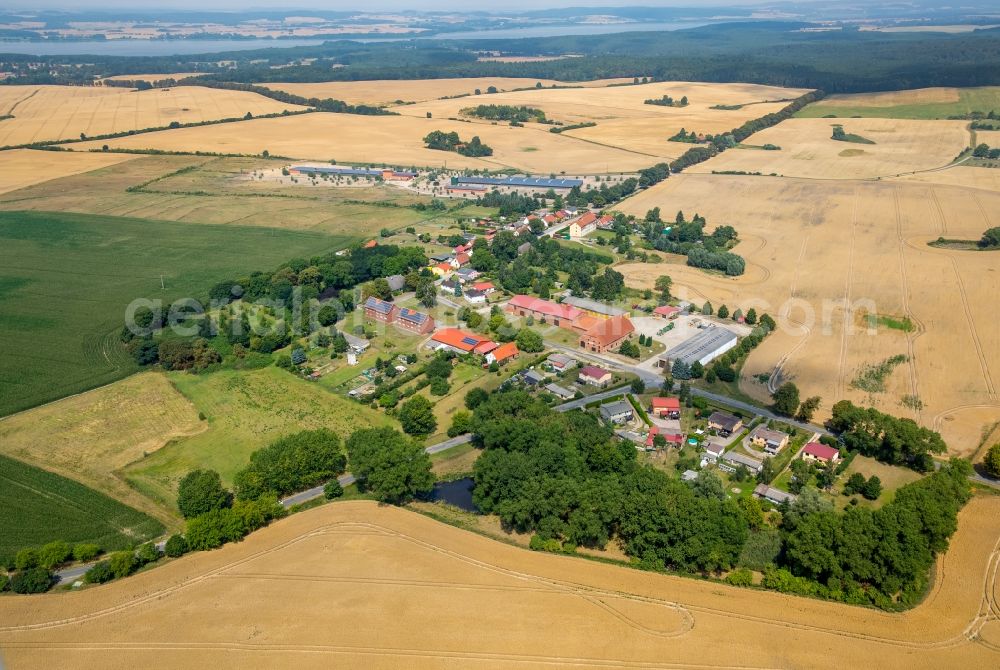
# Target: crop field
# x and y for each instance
(382, 92)
(66, 279)
(987, 179)
(245, 411)
(153, 78)
(922, 103)
(623, 120)
(807, 149)
(396, 140)
(45, 113)
(39, 506)
(382, 587)
(90, 437)
(219, 191)
(813, 248)
(24, 167)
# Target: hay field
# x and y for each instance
(387, 92)
(389, 139)
(45, 113)
(807, 149)
(23, 167)
(987, 179)
(921, 103)
(623, 120)
(354, 584)
(90, 437)
(810, 246)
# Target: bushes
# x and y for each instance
(886, 438)
(291, 463)
(99, 574)
(389, 464)
(200, 492)
(32, 580)
(333, 490)
(740, 577)
(54, 554)
(122, 563)
(85, 552)
(176, 546)
(220, 526)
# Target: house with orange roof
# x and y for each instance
(607, 334)
(485, 286)
(550, 312)
(583, 226)
(371, 244)
(503, 354)
(458, 340)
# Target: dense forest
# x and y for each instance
(777, 53)
(569, 480)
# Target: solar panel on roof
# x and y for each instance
(471, 341)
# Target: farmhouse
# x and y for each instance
(702, 348)
(726, 424)
(771, 441)
(560, 392)
(732, 460)
(380, 310)
(608, 334)
(546, 310)
(815, 451)
(414, 321)
(594, 375)
(666, 408)
(583, 226)
(666, 312)
(617, 412)
(457, 340)
(773, 495)
(594, 308)
(503, 354)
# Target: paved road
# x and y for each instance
(586, 400)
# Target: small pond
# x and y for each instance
(457, 493)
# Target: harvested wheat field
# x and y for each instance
(813, 248)
(623, 119)
(987, 179)
(387, 92)
(354, 584)
(807, 149)
(24, 167)
(90, 437)
(45, 113)
(396, 140)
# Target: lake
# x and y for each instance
(457, 493)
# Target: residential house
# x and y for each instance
(773, 495)
(396, 282)
(561, 362)
(714, 451)
(673, 439)
(449, 286)
(502, 354)
(726, 424)
(583, 226)
(380, 310)
(414, 321)
(733, 460)
(618, 412)
(441, 269)
(357, 344)
(474, 297)
(771, 441)
(484, 286)
(533, 377)
(466, 274)
(595, 376)
(607, 335)
(462, 259)
(560, 392)
(457, 340)
(816, 451)
(666, 408)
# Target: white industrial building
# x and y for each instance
(702, 348)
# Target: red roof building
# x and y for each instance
(557, 314)
(815, 451)
(458, 340)
(672, 438)
(502, 354)
(485, 287)
(607, 334)
(371, 244)
(670, 407)
(462, 258)
(591, 374)
(666, 311)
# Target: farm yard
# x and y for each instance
(46, 113)
(807, 149)
(67, 279)
(809, 245)
(39, 506)
(24, 167)
(513, 608)
(922, 103)
(90, 437)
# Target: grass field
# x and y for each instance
(39, 506)
(807, 149)
(90, 437)
(245, 411)
(24, 167)
(892, 478)
(924, 103)
(344, 572)
(822, 253)
(45, 113)
(66, 279)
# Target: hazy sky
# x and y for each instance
(361, 5)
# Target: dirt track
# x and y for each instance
(358, 585)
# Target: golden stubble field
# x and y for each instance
(987, 179)
(807, 150)
(813, 248)
(25, 167)
(90, 437)
(354, 584)
(45, 113)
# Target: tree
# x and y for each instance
(201, 491)
(638, 386)
(751, 317)
(148, 553)
(697, 370)
(766, 474)
(475, 398)
(99, 573)
(808, 408)
(32, 580)
(417, 416)
(990, 239)
(291, 463)
(389, 464)
(461, 423)
(992, 461)
(426, 292)
(873, 488)
(439, 386)
(85, 551)
(530, 341)
(663, 285)
(710, 376)
(723, 312)
(706, 309)
(327, 315)
(630, 349)
(298, 356)
(786, 399)
(333, 490)
(680, 369)
(176, 546)
(122, 563)
(54, 554)
(855, 484)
